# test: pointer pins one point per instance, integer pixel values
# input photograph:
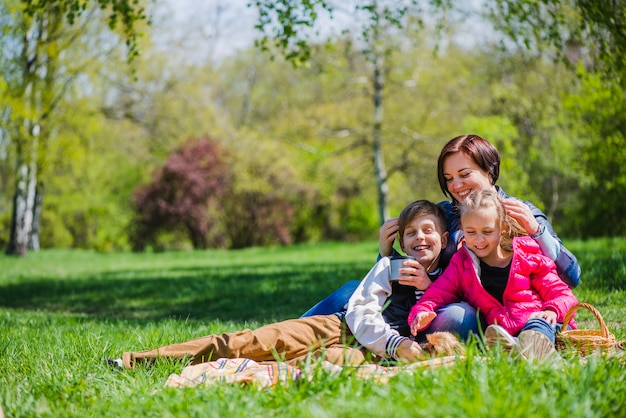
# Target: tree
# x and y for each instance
(599, 112)
(596, 29)
(30, 99)
(34, 84)
(587, 147)
(127, 15)
(290, 27)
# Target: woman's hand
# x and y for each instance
(414, 274)
(421, 321)
(386, 235)
(548, 315)
(522, 214)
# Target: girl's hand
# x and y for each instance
(386, 235)
(421, 321)
(414, 274)
(522, 214)
(548, 315)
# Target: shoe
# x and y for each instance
(536, 346)
(115, 363)
(496, 336)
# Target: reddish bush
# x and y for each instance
(187, 192)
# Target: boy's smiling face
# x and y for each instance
(424, 240)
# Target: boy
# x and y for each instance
(376, 315)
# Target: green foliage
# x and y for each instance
(502, 133)
(601, 111)
(303, 135)
(62, 313)
(287, 21)
(591, 27)
(128, 14)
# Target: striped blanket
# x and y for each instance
(239, 370)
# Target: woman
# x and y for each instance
(470, 163)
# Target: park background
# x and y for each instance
(164, 181)
(204, 140)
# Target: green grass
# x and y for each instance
(63, 312)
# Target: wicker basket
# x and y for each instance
(586, 341)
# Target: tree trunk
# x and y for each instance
(379, 162)
(23, 203)
(39, 52)
(34, 240)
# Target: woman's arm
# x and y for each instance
(537, 225)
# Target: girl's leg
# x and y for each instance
(542, 326)
(457, 318)
(536, 340)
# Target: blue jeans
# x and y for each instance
(542, 326)
(459, 318)
(334, 302)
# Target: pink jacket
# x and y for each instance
(533, 286)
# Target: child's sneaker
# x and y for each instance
(536, 346)
(495, 336)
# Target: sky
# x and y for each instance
(210, 28)
(213, 29)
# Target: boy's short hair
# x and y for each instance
(420, 208)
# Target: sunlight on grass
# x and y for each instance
(62, 313)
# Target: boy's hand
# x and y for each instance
(386, 235)
(409, 351)
(414, 274)
(421, 321)
(548, 315)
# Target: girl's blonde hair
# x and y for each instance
(486, 198)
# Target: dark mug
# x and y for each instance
(395, 263)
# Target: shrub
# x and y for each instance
(186, 192)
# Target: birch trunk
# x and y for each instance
(379, 163)
(378, 59)
(23, 203)
(34, 240)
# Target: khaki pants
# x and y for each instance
(290, 340)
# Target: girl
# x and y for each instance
(505, 276)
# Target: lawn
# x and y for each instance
(62, 313)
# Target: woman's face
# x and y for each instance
(464, 176)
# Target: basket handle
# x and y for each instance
(593, 310)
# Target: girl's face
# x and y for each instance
(464, 176)
(482, 230)
(424, 240)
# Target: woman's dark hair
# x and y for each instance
(481, 151)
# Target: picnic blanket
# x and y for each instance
(241, 370)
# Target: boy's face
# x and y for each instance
(424, 240)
